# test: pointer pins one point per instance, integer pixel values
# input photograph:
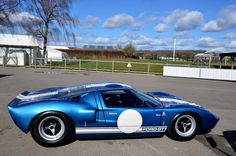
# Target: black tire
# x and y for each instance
(184, 127)
(52, 129)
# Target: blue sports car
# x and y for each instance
(54, 115)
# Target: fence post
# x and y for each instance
(79, 64)
(65, 64)
(96, 65)
(148, 67)
(112, 66)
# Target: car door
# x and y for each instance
(124, 110)
(88, 113)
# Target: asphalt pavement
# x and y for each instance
(217, 96)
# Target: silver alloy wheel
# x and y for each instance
(185, 125)
(51, 128)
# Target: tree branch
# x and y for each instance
(38, 10)
(9, 7)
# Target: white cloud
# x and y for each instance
(189, 21)
(152, 19)
(103, 40)
(118, 21)
(90, 21)
(184, 44)
(140, 41)
(231, 44)
(137, 26)
(147, 18)
(174, 16)
(161, 28)
(183, 35)
(207, 42)
(136, 23)
(20, 17)
(145, 40)
(230, 35)
(225, 20)
(184, 19)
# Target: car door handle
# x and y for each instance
(112, 113)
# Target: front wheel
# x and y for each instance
(51, 129)
(184, 127)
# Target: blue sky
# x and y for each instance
(153, 24)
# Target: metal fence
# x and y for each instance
(99, 65)
(91, 65)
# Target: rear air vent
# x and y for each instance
(113, 86)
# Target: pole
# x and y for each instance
(148, 67)
(112, 66)
(174, 49)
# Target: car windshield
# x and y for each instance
(147, 98)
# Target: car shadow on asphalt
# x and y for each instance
(106, 138)
(5, 75)
(224, 145)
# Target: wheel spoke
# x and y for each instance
(184, 128)
(53, 131)
(188, 124)
(46, 128)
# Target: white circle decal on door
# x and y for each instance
(129, 121)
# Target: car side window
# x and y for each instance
(122, 99)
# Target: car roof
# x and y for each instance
(73, 90)
(106, 86)
(94, 87)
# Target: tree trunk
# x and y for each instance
(45, 42)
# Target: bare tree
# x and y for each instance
(7, 7)
(129, 50)
(51, 17)
(118, 47)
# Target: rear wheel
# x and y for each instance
(51, 129)
(184, 127)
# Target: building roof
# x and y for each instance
(232, 54)
(58, 47)
(18, 40)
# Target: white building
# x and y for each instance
(24, 50)
(18, 49)
(56, 55)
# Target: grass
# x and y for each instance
(120, 65)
